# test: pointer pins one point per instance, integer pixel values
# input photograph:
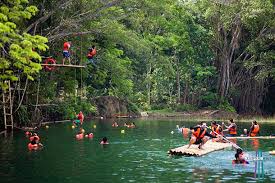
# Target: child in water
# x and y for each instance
(239, 158)
(104, 141)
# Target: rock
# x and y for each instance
(109, 106)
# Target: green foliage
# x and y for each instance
(70, 108)
(19, 50)
(184, 107)
(23, 116)
(224, 105)
(210, 100)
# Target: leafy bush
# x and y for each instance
(23, 116)
(209, 99)
(185, 107)
(68, 109)
(225, 105)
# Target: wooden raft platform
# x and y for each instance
(257, 137)
(61, 65)
(193, 150)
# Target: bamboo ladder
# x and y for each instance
(7, 107)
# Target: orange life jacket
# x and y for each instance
(255, 130)
(217, 130)
(199, 133)
(233, 130)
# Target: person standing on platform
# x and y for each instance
(66, 52)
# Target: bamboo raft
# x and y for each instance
(257, 137)
(193, 150)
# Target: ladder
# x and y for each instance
(7, 107)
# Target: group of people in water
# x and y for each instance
(200, 134)
(66, 53)
(131, 125)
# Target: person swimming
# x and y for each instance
(239, 157)
(132, 125)
(104, 141)
(34, 144)
(115, 124)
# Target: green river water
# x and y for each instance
(139, 155)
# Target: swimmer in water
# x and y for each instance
(115, 124)
(239, 158)
(104, 141)
(132, 125)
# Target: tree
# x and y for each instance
(19, 50)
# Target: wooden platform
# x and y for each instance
(193, 150)
(61, 65)
(257, 137)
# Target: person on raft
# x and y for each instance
(200, 135)
(232, 128)
(66, 52)
(216, 129)
(239, 157)
(254, 129)
(80, 117)
(104, 141)
(91, 54)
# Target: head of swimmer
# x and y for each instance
(104, 139)
(239, 154)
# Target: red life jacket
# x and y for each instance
(255, 130)
(233, 130)
(91, 53)
(66, 46)
(199, 133)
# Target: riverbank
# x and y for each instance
(206, 115)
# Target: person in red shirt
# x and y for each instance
(80, 116)
(66, 52)
(91, 54)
